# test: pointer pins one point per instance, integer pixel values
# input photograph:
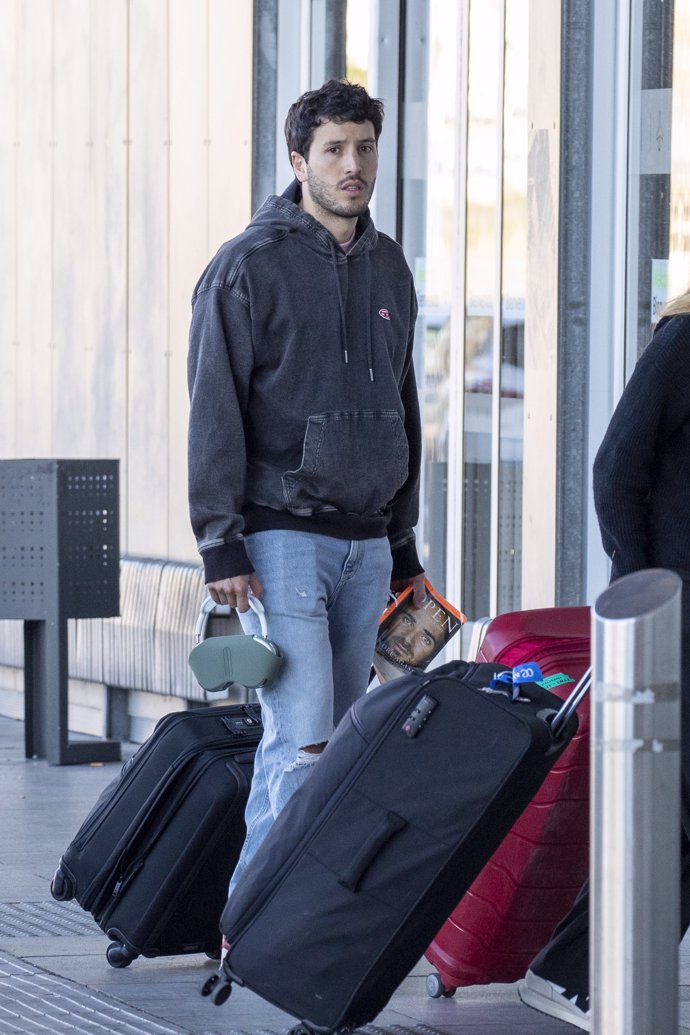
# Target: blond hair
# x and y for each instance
(678, 306)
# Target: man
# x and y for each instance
(304, 435)
(414, 636)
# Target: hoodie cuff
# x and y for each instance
(225, 561)
(405, 561)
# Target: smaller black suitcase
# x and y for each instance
(152, 860)
(418, 786)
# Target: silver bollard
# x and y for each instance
(635, 819)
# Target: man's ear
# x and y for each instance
(299, 166)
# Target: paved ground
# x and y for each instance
(54, 977)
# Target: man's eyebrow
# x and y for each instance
(341, 140)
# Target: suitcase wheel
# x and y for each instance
(436, 989)
(218, 987)
(61, 887)
(118, 955)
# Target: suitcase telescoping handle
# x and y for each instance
(570, 705)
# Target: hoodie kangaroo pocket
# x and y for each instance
(353, 460)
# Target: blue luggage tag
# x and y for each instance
(528, 672)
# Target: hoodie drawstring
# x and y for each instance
(341, 306)
(341, 309)
(367, 284)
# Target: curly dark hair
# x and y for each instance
(336, 101)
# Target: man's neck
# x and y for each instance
(340, 227)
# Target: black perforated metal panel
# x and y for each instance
(88, 536)
(59, 538)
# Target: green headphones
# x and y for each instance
(218, 661)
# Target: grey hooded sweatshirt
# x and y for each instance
(304, 408)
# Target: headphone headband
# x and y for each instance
(210, 607)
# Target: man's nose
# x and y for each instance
(352, 160)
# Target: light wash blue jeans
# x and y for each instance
(323, 598)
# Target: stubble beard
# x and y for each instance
(324, 196)
(399, 648)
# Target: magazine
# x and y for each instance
(409, 638)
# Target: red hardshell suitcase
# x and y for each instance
(532, 879)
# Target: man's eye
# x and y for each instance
(428, 642)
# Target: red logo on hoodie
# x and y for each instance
(384, 314)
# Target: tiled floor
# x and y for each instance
(54, 977)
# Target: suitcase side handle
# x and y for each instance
(571, 703)
(389, 825)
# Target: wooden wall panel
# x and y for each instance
(90, 229)
(230, 120)
(189, 159)
(35, 228)
(107, 244)
(210, 188)
(148, 368)
(8, 228)
(72, 415)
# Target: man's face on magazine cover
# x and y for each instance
(413, 636)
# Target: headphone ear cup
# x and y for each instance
(250, 661)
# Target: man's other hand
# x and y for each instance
(418, 588)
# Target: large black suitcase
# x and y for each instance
(152, 860)
(421, 781)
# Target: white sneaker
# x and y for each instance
(543, 995)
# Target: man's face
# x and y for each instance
(413, 636)
(339, 175)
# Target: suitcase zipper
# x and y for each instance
(126, 877)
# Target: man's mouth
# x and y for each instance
(354, 187)
(400, 647)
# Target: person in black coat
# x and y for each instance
(642, 500)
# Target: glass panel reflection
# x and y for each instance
(436, 291)
(358, 42)
(481, 261)
(513, 284)
(649, 205)
(679, 249)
